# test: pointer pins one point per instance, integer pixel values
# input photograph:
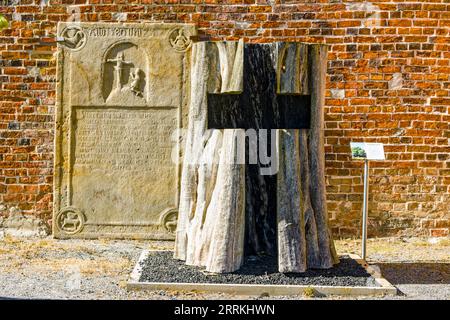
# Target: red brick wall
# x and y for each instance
(388, 81)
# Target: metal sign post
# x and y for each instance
(365, 208)
(366, 151)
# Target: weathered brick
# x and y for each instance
(411, 119)
(443, 232)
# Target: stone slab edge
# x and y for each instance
(383, 282)
(259, 289)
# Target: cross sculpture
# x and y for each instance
(259, 106)
(119, 63)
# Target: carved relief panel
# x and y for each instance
(122, 93)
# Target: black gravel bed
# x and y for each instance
(161, 267)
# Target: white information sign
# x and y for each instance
(367, 151)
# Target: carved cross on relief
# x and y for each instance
(118, 68)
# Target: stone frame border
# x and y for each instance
(386, 288)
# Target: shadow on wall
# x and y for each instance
(416, 273)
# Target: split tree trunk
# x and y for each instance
(304, 237)
(216, 191)
(211, 221)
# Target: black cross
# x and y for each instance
(258, 106)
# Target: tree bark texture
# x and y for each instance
(211, 223)
(304, 237)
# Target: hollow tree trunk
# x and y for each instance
(220, 197)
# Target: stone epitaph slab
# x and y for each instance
(122, 93)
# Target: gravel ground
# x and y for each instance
(161, 267)
(99, 269)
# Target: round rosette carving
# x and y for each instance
(168, 220)
(70, 220)
(179, 39)
(73, 37)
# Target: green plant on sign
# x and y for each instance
(3, 22)
(358, 152)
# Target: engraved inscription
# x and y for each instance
(116, 32)
(118, 139)
(122, 168)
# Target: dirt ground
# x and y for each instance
(99, 269)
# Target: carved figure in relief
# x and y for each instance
(171, 225)
(70, 220)
(169, 220)
(180, 41)
(136, 82)
(73, 38)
